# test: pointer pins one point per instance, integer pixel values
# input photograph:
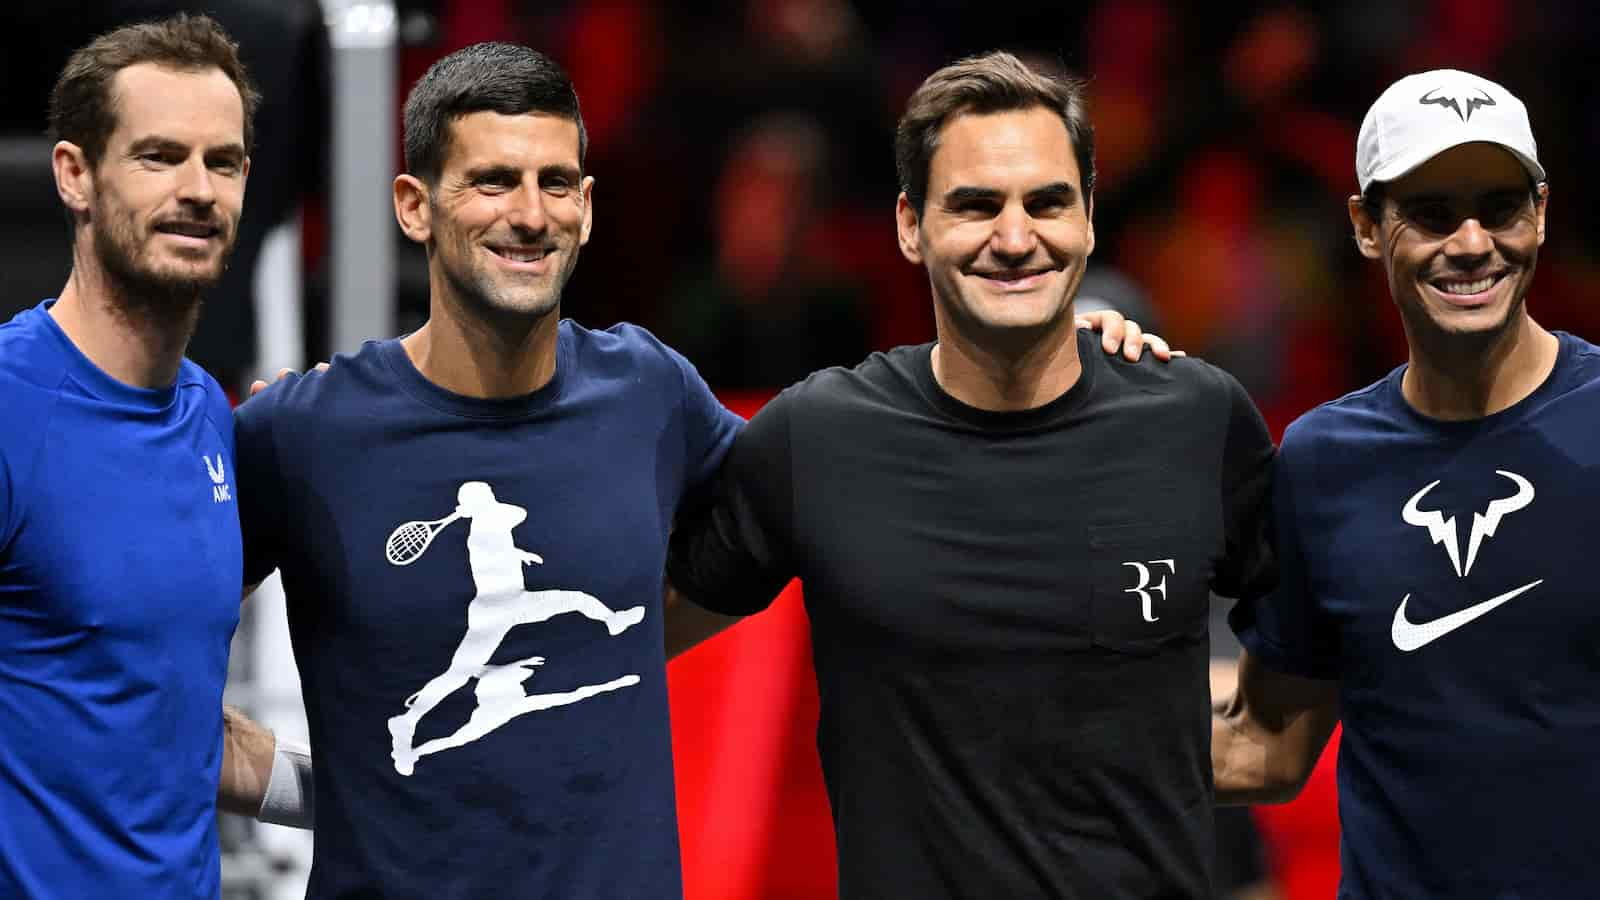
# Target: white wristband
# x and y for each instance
(290, 798)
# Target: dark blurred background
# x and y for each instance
(745, 177)
(746, 181)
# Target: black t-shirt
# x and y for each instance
(1008, 614)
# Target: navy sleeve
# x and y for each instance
(732, 554)
(709, 427)
(260, 484)
(1286, 629)
(1247, 568)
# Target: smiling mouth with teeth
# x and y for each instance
(1466, 287)
(517, 254)
(1011, 274)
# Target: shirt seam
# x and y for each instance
(30, 469)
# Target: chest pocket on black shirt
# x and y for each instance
(1148, 587)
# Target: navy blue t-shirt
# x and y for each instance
(474, 594)
(1441, 572)
(119, 594)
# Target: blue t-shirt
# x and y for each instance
(474, 594)
(119, 592)
(1440, 571)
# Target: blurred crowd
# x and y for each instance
(745, 176)
(746, 183)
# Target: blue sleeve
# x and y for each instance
(219, 412)
(709, 427)
(20, 449)
(1286, 629)
(260, 484)
(8, 516)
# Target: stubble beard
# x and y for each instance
(480, 293)
(1441, 341)
(140, 293)
(1008, 338)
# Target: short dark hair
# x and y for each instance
(989, 83)
(509, 79)
(82, 107)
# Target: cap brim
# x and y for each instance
(1401, 166)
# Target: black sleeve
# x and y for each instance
(734, 553)
(261, 489)
(1247, 569)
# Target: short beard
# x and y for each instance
(475, 291)
(145, 297)
(1442, 344)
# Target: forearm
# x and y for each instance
(264, 778)
(246, 763)
(1241, 763)
(1267, 736)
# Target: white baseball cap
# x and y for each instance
(1421, 116)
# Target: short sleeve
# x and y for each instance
(1285, 628)
(709, 427)
(8, 513)
(261, 490)
(1247, 567)
(20, 452)
(733, 553)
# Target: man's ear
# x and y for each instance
(411, 208)
(1540, 208)
(1366, 230)
(1088, 214)
(587, 193)
(74, 176)
(909, 227)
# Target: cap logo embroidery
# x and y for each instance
(1454, 103)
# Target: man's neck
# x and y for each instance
(1455, 380)
(142, 351)
(988, 376)
(469, 355)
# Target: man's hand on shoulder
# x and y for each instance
(259, 385)
(1117, 332)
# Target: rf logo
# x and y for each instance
(1144, 587)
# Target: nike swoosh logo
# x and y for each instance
(1409, 636)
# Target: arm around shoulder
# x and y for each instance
(1267, 737)
(263, 777)
(731, 547)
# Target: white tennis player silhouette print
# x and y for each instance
(502, 603)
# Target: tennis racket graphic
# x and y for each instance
(406, 543)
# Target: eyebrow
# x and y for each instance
(960, 195)
(512, 173)
(158, 142)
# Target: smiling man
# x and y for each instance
(1007, 539)
(485, 502)
(1434, 529)
(119, 537)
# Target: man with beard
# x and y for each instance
(1435, 533)
(1006, 539)
(119, 537)
(485, 502)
